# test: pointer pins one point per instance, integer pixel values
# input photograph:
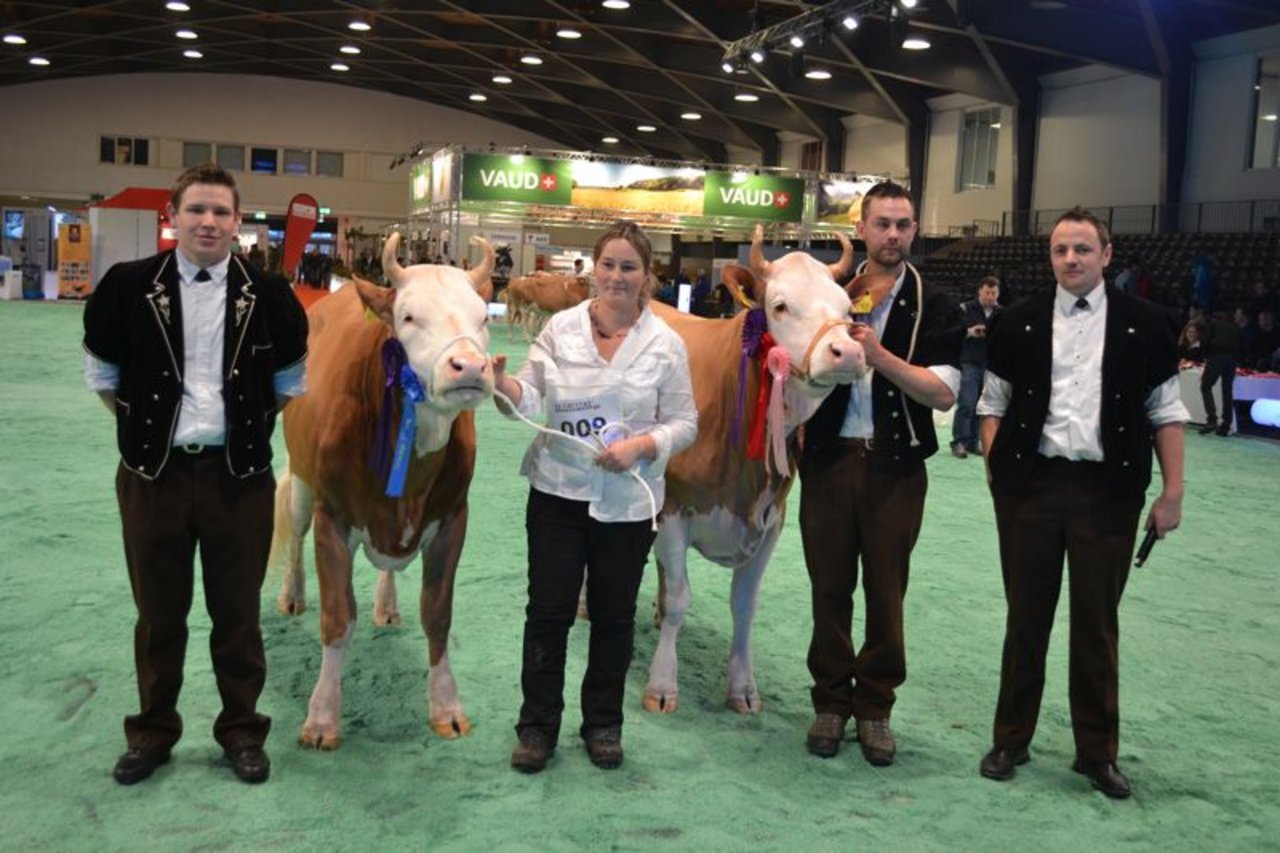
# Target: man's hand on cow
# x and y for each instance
(870, 341)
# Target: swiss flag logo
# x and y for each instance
(548, 182)
(782, 199)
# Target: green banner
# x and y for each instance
(753, 196)
(528, 180)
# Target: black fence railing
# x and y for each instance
(1205, 217)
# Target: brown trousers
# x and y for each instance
(1066, 510)
(851, 512)
(196, 502)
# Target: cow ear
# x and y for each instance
(380, 300)
(741, 282)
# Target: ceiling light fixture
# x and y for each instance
(38, 60)
(910, 4)
(691, 116)
(746, 97)
(339, 66)
(477, 97)
(817, 74)
(14, 38)
(568, 33)
(187, 34)
(175, 6)
(349, 49)
(916, 43)
(530, 59)
(849, 22)
(646, 128)
(359, 26)
(726, 67)
(616, 4)
(193, 54)
(501, 79)
(797, 41)
(757, 56)
(1269, 117)
(610, 140)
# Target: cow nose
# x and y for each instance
(845, 354)
(468, 365)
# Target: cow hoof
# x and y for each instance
(749, 704)
(661, 703)
(290, 607)
(452, 728)
(325, 742)
(383, 620)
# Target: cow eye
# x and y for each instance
(780, 308)
(408, 318)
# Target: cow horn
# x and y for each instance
(390, 263)
(841, 268)
(755, 257)
(480, 274)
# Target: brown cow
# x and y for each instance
(726, 505)
(435, 314)
(533, 298)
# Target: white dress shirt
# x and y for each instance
(646, 387)
(1073, 426)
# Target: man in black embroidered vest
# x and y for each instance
(195, 352)
(1081, 381)
(863, 484)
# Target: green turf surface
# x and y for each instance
(1199, 683)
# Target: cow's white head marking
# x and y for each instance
(807, 314)
(439, 316)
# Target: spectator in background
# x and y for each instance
(1142, 285)
(1221, 346)
(256, 256)
(1202, 282)
(1265, 347)
(701, 300)
(1127, 278)
(976, 316)
(666, 292)
(1190, 347)
(1263, 299)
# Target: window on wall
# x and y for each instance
(329, 163)
(231, 157)
(811, 156)
(195, 153)
(978, 141)
(297, 162)
(124, 150)
(265, 161)
(1266, 111)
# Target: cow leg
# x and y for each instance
(293, 519)
(337, 623)
(440, 565)
(661, 694)
(744, 592)
(386, 608)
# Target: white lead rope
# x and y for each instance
(653, 502)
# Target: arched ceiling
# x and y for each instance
(648, 64)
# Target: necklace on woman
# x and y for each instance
(620, 332)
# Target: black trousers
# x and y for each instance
(196, 502)
(1217, 368)
(1066, 511)
(563, 541)
(850, 512)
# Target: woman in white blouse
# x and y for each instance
(610, 372)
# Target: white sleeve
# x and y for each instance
(995, 396)
(1164, 404)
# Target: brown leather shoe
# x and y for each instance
(1001, 763)
(825, 735)
(1105, 776)
(138, 764)
(532, 752)
(250, 764)
(604, 747)
(878, 746)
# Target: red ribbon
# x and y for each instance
(755, 439)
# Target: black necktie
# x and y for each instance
(1081, 303)
(203, 275)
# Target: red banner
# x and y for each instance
(301, 221)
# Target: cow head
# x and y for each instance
(807, 313)
(439, 316)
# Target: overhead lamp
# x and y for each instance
(38, 60)
(691, 116)
(501, 79)
(531, 59)
(995, 125)
(817, 74)
(14, 38)
(610, 140)
(757, 56)
(746, 97)
(616, 4)
(910, 4)
(349, 49)
(727, 67)
(359, 26)
(915, 42)
(796, 41)
(193, 54)
(568, 33)
(1269, 117)
(175, 6)
(646, 128)
(477, 97)
(849, 22)
(187, 34)
(339, 66)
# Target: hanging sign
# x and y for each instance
(528, 180)
(751, 196)
(298, 225)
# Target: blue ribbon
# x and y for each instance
(411, 394)
(396, 371)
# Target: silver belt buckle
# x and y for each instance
(193, 449)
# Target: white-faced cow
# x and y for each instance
(721, 499)
(367, 471)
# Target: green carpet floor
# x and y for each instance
(1200, 685)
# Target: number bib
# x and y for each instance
(585, 416)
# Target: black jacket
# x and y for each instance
(1140, 352)
(938, 343)
(974, 350)
(134, 321)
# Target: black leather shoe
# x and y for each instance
(1224, 430)
(825, 735)
(1208, 428)
(1001, 763)
(250, 764)
(137, 764)
(532, 752)
(1105, 776)
(604, 747)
